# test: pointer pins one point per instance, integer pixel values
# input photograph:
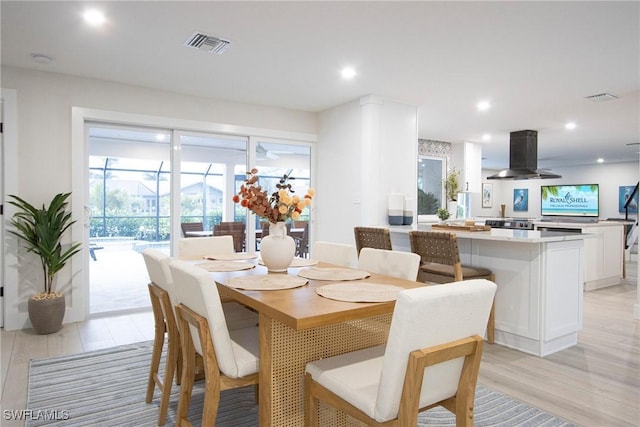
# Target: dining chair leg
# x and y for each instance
(310, 405)
(170, 369)
(211, 402)
(186, 385)
(179, 366)
(158, 343)
(491, 325)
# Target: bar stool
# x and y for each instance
(441, 264)
(372, 237)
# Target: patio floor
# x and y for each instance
(118, 278)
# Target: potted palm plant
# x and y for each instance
(41, 230)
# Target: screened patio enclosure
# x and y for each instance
(137, 199)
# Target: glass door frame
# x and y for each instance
(79, 303)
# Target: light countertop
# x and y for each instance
(502, 234)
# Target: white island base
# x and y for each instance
(539, 298)
(538, 303)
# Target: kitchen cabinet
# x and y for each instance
(604, 253)
(468, 158)
(539, 301)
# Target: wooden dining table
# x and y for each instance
(297, 326)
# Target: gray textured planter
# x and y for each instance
(46, 314)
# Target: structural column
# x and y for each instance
(370, 160)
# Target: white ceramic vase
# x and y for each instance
(278, 248)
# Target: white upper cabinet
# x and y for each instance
(467, 157)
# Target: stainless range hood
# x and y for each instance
(523, 158)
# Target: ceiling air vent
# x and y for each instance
(602, 97)
(207, 43)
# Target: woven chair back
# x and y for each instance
(372, 237)
(434, 246)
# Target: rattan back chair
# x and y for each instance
(372, 237)
(191, 226)
(440, 263)
(235, 229)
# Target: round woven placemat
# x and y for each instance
(233, 256)
(266, 282)
(359, 292)
(220, 266)
(333, 273)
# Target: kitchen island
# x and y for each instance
(538, 304)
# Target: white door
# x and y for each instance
(10, 316)
(2, 280)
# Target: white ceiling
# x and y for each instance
(535, 61)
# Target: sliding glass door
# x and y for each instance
(209, 168)
(145, 182)
(129, 203)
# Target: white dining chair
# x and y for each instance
(418, 368)
(202, 246)
(230, 357)
(400, 264)
(160, 293)
(335, 253)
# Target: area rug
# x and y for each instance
(107, 388)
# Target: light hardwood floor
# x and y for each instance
(595, 383)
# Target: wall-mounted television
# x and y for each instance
(570, 200)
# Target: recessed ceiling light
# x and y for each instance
(483, 105)
(570, 126)
(600, 160)
(94, 17)
(486, 137)
(348, 73)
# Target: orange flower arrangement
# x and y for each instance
(280, 206)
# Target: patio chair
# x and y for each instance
(302, 242)
(191, 226)
(235, 229)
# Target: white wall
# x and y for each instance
(608, 176)
(44, 114)
(398, 168)
(337, 206)
(366, 149)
